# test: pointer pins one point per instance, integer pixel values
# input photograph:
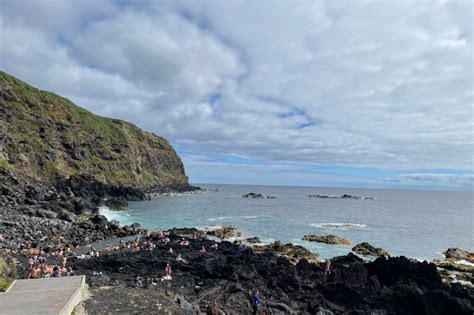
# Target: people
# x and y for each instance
(203, 249)
(56, 272)
(215, 246)
(168, 272)
(328, 267)
(137, 281)
(180, 258)
(256, 301)
(70, 272)
(35, 273)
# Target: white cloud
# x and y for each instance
(366, 84)
(465, 179)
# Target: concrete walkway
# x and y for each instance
(47, 296)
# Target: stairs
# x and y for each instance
(48, 296)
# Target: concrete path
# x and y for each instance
(47, 296)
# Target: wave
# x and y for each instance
(233, 217)
(337, 225)
(220, 218)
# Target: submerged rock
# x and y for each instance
(369, 250)
(327, 239)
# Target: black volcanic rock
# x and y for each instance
(221, 279)
(369, 250)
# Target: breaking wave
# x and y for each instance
(338, 225)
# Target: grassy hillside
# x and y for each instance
(46, 136)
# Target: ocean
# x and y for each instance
(413, 223)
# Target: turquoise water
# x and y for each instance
(417, 224)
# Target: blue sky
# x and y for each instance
(318, 93)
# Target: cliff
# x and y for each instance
(48, 138)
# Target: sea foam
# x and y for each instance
(338, 225)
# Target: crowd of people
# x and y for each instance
(39, 268)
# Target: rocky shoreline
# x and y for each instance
(209, 277)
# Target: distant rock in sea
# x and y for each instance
(224, 232)
(345, 196)
(327, 239)
(369, 250)
(253, 195)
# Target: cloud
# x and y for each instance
(463, 179)
(370, 84)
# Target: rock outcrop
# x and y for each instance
(254, 240)
(327, 239)
(369, 250)
(459, 254)
(253, 195)
(292, 252)
(345, 196)
(457, 267)
(224, 232)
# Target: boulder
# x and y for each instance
(116, 203)
(369, 250)
(224, 232)
(293, 252)
(254, 240)
(327, 239)
(459, 254)
(66, 215)
(188, 232)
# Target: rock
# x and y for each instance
(457, 267)
(135, 226)
(254, 240)
(369, 250)
(459, 254)
(253, 195)
(345, 196)
(188, 232)
(66, 215)
(116, 203)
(224, 232)
(293, 252)
(102, 221)
(114, 224)
(327, 239)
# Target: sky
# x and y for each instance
(361, 93)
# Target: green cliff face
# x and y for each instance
(47, 137)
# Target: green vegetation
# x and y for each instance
(7, 272)
(47, 136)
